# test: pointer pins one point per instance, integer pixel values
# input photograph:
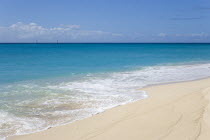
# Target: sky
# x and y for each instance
(105, 20)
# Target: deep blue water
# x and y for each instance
(20, 62)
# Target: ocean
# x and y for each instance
(46, 85)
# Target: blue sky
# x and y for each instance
(105, 20)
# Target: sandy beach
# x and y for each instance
(178, 111)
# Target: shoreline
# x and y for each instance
(123, 113)
(158, 76)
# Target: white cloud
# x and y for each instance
(199, 35)
(30, 32)
(162, 34)
(193, 35)
(115, 34)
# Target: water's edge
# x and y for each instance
(147, 86)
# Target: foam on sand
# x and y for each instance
(37, 105)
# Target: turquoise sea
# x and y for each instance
(45, 85)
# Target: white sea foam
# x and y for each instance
(33, 106)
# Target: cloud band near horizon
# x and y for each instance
(21, 32)
(32, 32)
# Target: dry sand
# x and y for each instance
(179, 111)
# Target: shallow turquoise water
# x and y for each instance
(20, 62)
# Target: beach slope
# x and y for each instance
(178, 111)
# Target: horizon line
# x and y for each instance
(104, 42)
